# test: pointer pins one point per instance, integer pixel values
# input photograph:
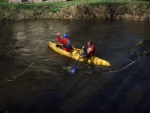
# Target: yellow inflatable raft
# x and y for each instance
(75, 55)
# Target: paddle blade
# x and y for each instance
(74, 70)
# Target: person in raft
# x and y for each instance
(89, 50)
(65, 41)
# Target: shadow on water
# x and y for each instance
(35, 79)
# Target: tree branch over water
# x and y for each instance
(14, 77)
(125, 66)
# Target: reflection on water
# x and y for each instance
(36, 79)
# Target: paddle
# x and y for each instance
(75, 67)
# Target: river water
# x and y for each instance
(35, 79)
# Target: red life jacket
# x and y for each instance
(66, 43)
(92, 52)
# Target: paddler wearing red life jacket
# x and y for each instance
(65, 41)
(89, 50)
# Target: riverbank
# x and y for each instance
(138, 11)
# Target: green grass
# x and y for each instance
(55, 6)
(47, 6)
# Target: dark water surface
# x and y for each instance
(35, 79)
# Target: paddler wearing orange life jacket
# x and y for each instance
(65, 41)
(89, 50)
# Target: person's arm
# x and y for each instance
(62, 41)
(89, 50)
(58, 38)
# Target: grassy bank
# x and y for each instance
(78, 9)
